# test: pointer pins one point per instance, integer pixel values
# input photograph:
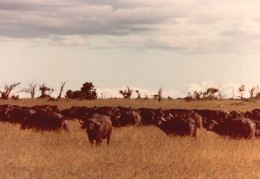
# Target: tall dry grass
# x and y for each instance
(134, 152)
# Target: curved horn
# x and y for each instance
(228, 113)
(81, 122)
(163, 119)
(215, 122)
(98, 123)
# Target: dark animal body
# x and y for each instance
(127, 116)
(98, 127)
(41, 118)
(181, 127)
(179, 123)
(171, 121)
(236, 128)
(151, 116)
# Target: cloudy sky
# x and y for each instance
(178, 46)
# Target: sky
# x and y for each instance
(179, 46)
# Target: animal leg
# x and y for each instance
(108, 137)
(98, 141)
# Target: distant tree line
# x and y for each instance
(214, 94)
(127, 93)
(209, 94)
(88, 92)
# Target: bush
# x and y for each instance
(87, 92)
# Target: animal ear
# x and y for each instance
(159, 122)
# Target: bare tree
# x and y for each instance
(103, 96)
(197, 95)
(160, 94)
(242, 90)
(257, 92)
(252, 93)
(233, 92)
(30, 89)
(138, 94)
(146, 96)
(7, 90)
(61, 88)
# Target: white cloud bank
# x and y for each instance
(226, 89)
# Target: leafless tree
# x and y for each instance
(242, 90)
(146, 96)
(7, 90)
(103, 96)
(61, 88)
(138, 94)
(257, 90)
(233, 92)
(160, 94)
(197, 95)
(30, 89)
(252, 93)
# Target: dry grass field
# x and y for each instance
(226, 105)
(134, 152)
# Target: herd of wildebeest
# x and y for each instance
(99, 121)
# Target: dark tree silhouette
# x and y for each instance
(61, 88)
(242, 90)
(210, 93)
(44, 89)
(7, 90)
(30, 89)
(127, 93)
(160, 94)
(138, 94)
(197, 95)
(87, 92)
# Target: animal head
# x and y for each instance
(211, 124)
(94, 123)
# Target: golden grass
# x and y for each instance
(134, 152)
(226, 105)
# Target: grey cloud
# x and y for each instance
(232, 33)
(183, 26)
(43, 19)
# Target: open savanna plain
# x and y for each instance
(134, 152)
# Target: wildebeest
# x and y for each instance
(236, 128)
(98, 127)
